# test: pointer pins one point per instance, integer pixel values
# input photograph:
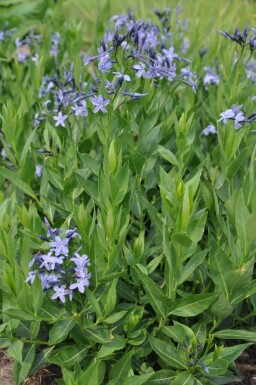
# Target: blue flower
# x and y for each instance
(99, 102)
(210, 129)
(60, 119)
(81, 283)
(60, 293)
(59, 246)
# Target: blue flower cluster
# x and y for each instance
(210, 77)
(26, 48)
(6, 33)
(244, 38)
(147, 48)
(134, 49)
(58, 272)
(236, 114)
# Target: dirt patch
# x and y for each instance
(246, 365)
(45, 376)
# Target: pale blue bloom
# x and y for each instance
(60, 119)
(99, 102)
(210, 129)
(226, 115)
(60, 293)
(59, 246)
(81, 283)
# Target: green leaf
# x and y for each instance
(69, 377)
(27, 10)
(246, 292)
(107, 349)
(234, 334)
(122, 368)
(230, 354)
(168, 155)
(113, 318)
(27, 363)
(155, 295)
(179, 333)
(109, 299)
(68, 355)
(15, 350)
(193, 304)
(132, 380)
(40, 359)
(217, 367)
(184, 378)
(54, 177)
(91, 163)
(93, 375)
(97, 334)
(60, 330)
(27, 146)
(89, 187)
(14, 178)
(167, 353)
(190, 267)
(38, 295)
(162, 377)
(94, 303)
(242, 216)
(20, 314)
(222, 272)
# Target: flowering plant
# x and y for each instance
(127, 200)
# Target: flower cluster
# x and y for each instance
(236, 114)
(6, 33)
(251, 70)
(27, 47)
(60, 271)
(192, 356)
(147, 48)
(133, 50)
(243, 38)
(210, 77)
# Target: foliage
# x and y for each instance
(145, 155)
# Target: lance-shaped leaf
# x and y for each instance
(133, 380)
(184, 378)
(14, 178)
(60, 330)
(69, 355)
(167, 353)
(233, 334)
(122, 367)
(156, 297)
(193, 304)
(93, 375)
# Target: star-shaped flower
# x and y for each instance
(60, 119)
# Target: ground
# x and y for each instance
(45, 376)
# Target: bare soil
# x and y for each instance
(45, 376)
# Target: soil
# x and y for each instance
(246, 365)
(45, 376)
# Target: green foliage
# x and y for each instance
(166, 215)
